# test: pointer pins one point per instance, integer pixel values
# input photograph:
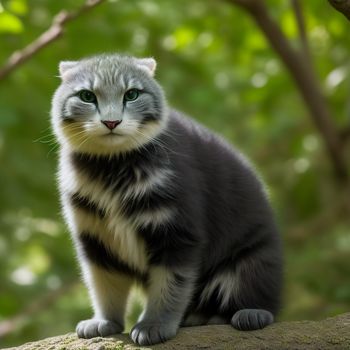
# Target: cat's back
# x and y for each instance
(225, 181)
(202, 148)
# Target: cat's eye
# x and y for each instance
(87, 96)
(131, 95)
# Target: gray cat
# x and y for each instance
(152, 197)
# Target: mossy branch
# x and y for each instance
(332, 333)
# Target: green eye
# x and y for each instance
(87, 96)
(131, 95)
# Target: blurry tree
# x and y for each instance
(342, 6)
(219, 67)
(53, 33)
(299, 64)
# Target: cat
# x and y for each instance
(154, 198)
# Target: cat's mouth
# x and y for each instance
(111, 135)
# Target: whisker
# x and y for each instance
(83, 142)
(42, 139)
(53, 148)
(78, 126)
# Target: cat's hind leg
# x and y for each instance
(247, 292)
(257, 295)
(251, 319)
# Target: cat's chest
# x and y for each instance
(94, 210)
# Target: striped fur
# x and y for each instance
(162, 202)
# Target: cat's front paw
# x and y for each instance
(149, 333)
(97, 328)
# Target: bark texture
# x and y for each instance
(332, 333)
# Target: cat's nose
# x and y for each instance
(111, 124)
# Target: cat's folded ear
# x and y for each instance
(147, 64)
(65, 67)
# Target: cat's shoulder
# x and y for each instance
(212, 146)
(185, 126)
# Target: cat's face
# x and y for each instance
(108, 104)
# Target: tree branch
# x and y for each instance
(53, 33)
(305, 79)
(301, 27)
(345, 134)
(331, 333)
(324, 221)
(36, 306)
(342, 6)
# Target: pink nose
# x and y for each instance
(111, 124)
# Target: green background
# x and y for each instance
(214, 65)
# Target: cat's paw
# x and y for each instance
(97, 328)
(149, 333)
(251, 319)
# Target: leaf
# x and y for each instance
(10, 23)
(18, 7)
(184, 36)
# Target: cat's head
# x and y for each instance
(108, 104)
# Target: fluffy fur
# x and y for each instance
(160, 201)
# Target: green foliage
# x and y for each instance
(215, 65)
(10, 14)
